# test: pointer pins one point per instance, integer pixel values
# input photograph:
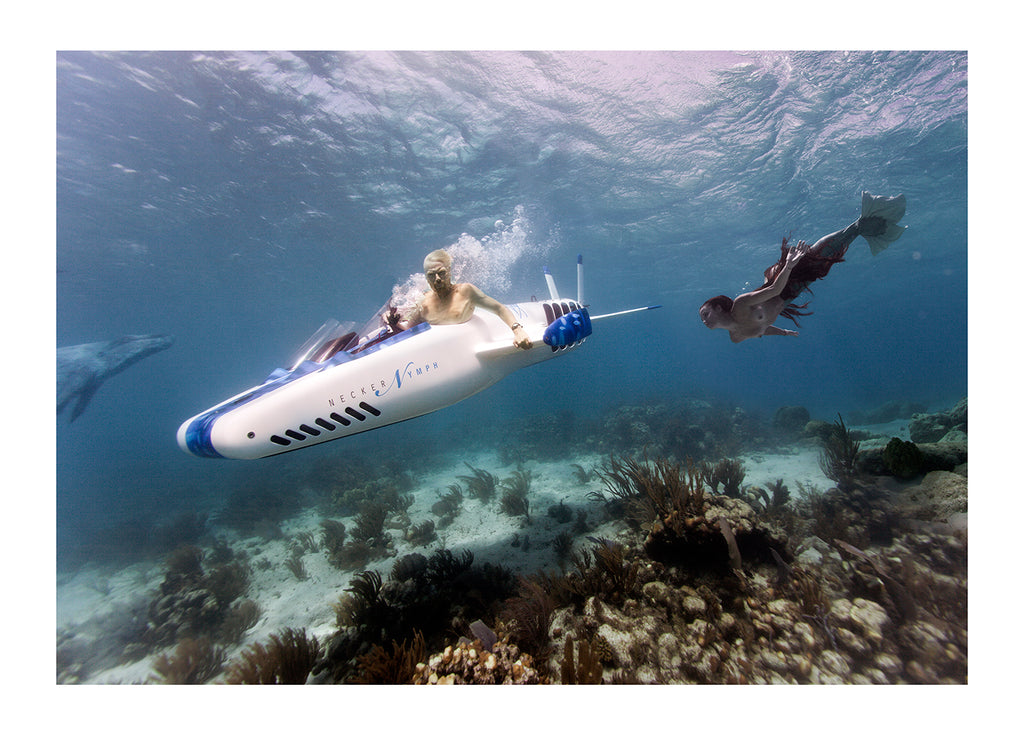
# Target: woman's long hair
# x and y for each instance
(812, 266)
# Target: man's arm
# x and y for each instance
(484, 301)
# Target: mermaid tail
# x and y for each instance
(889, 209)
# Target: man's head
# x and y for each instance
(438, 268)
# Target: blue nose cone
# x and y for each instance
(568, 329)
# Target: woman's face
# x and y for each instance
(711, 315)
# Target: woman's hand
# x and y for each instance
(796, 253)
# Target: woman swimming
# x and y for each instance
(751, 315)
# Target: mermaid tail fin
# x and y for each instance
(890, 209)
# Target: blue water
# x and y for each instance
(236, 200)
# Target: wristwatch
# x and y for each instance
(516, 326)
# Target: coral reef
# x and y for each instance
(192, 602)
(695, 578)
(425, 594)
(781, 623)
(689, 428)
(469, 663)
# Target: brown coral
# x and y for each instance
(468, 663)
(195, 661)
(286, 659)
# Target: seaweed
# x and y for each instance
(369, 522)
(422, 534)
(434, 596)
(482, 485)
(651, 491)
(838, 459)
(561, 512)
(727, 474)
(527, 616)
(294, 563)
(603, 571)
(228, 581)
(238, 619)
(304, 542)
(409, 567)
(443, 566)
(286, 659)
(562, 545)
(448, 505)
(585, 668)
(365, 606)
(194, 662)
(514, 499)
(581, 474)
(379, 666)
(333, 540)
(768, 500)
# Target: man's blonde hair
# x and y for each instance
(438, 256)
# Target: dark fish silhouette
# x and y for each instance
(82, 368)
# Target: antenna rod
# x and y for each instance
(579, 280)
(625, 311)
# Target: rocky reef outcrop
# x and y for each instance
(949, 425)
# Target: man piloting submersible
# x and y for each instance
(450, 303)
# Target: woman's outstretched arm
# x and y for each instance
(744, 301)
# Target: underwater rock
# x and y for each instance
(931, 428)
(819, 429)
(954, 436)
(815, 552)
(792, 419)
(945, 455)
(940, 495)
